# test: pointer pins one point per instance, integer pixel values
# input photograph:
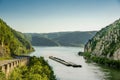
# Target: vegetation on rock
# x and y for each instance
(104, 47)
(106, 42)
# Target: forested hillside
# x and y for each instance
(106, 43)
(12, 42)
(42, 41)
(76, 38)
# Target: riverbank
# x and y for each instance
(111, 66)
(104, 61)
(37, 69)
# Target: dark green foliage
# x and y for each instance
(87, 55)
(103, 60)
(94, 44)
(61, 38)
(38, 69)
(80, 53)
(12, 42)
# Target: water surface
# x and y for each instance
(89, 71)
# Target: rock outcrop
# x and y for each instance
(106, 42)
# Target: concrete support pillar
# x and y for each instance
(3, 68)
(7, 68)
(12, 66)
(17, 63)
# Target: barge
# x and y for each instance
(64, 62)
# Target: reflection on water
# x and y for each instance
(89, 71)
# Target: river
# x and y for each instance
(88, 71)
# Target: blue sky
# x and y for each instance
(43, 16)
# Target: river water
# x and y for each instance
(88, 71)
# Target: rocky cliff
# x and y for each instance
(106, 42)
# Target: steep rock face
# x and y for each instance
(106, 42)
(12, 42)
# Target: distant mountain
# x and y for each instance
(12, 42)
(76, 38)
(42, 41)
(106, 42)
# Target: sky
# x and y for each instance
(44, 16)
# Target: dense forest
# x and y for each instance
(76, 38)
(12, 42)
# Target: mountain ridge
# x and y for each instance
(76, 38)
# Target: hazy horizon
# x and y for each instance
(58, 32)
(46, 16)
